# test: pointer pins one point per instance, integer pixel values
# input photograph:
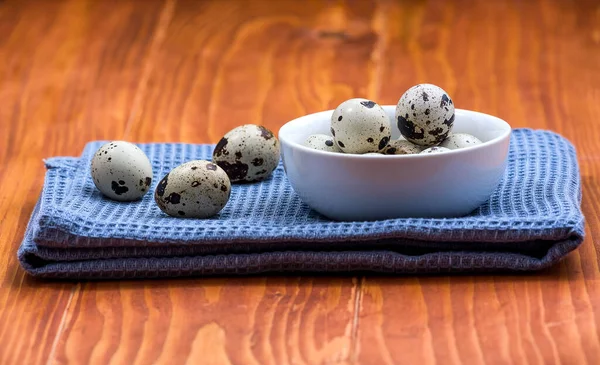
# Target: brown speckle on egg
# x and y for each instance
(460, 140)
(254, 148)
(174, 196)
(117, 168)
(364, 125)
(321, 142)
(401, 147)
(434, 149)
(118, 189)
(425, 114)
(368, 103)
(236, 171)
(265, 133)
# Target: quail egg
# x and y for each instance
(372, 154)
(322, 142)
(460, 140)
(121, 171)
(247, 153)
(195, 189)
(425, 114)
(401, 147)
(435, 149)
(360, 126)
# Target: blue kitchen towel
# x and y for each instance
(531, 221)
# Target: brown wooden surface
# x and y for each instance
(180, 70)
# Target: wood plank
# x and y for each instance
(533, 64)
(68, 75)
(189, 71)
(226, 63)
(213, 321)
(221, 64)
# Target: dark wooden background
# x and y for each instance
(72, 71)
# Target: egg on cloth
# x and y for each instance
(360, 126)
(121, 171)
(322, 142)
(435, 149)
(195, 189)
(460, 140)
(247, 153)
(401, 147)
(425, 115)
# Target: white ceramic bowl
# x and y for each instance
(372, 187)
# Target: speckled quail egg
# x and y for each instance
(360, 126)
(460, 140)
(401, 147)
(121, 171)
(425, 115)
(372, 154)
(247, 153)
(195, 189)
(435, 149)
(322, 142)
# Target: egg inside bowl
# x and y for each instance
(351, 187)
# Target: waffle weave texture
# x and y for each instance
(531, 221)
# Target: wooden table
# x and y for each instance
(72, 71)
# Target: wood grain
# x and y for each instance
(72, 71)
(219, 56)
(237, 321)
(529, 63)
(68, 73)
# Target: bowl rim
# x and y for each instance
(505, 134)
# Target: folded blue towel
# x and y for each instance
(530, 222)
